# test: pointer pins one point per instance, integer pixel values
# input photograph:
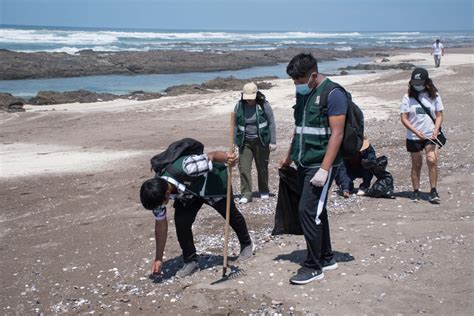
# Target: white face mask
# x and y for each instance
(419, 88)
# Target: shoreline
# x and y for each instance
(42, 65)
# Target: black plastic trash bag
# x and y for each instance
(383, 187)
(287, 220)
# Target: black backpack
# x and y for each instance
(184, 147)
(354, 126)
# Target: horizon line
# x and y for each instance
(218, 30)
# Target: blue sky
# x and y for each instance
(297, 15)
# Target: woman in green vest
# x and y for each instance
(256, 137)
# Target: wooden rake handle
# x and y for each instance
(229, 192)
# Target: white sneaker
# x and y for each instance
(264, 196)
(243, 200)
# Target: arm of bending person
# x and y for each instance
(161, 234)
(222, 156)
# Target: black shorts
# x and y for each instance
(414, 146)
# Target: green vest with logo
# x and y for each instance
(212, 184)
(312, 131)
(262, 125)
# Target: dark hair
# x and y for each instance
(301, 65)
(429, 86)
(153, 193)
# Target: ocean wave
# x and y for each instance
(344, 49)
(72, 41)
(74, 50)
(55, 37)
(401, 33)
(45, 36)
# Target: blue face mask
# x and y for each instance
(303, 89)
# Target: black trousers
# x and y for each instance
(314, 218)
(185, 215)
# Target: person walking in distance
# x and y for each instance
(437, 50)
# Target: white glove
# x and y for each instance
(319, 178)
(273, 147)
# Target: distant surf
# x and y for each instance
(72, 40)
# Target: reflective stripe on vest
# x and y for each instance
(313, 130)
(262, 125)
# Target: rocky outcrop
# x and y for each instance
(17, 65)
(84, 96)
(9, 103)
(369, 67)
(227, 84)
(81, 96)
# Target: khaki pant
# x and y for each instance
(251, 149)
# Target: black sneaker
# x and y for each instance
(306, 275)
(416, 196)
(329, 264)
(434, 197)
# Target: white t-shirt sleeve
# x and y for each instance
(438, 104)
(405, 105)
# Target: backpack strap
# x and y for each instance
(323, 101)
(425, 109)
(177, 175)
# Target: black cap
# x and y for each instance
(419, 76)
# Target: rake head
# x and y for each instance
(235, 272)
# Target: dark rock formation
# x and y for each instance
(9, 103)
(81, 96)
(227, 84)
(370, 67)
(16, 65)
(84, 96)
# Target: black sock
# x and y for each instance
(433, 189)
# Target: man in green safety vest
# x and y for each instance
(314, 149)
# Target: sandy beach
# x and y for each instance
(75, 238)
